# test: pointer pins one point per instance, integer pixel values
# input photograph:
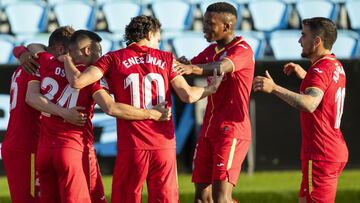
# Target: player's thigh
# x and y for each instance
(93, 174)
(73, 183)
(319, 180)
(162, 177)
(20, 173)
(130, 172)
(49, 189)
(202, 161)
(325, 180)
(228, 156)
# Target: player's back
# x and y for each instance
(321, 129)
(140, 76)
(24, 123)
(56, 88)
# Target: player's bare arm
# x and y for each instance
(223, 66)
(307, 102)
(26, 59)
(36, 48)
(191, 94)
(128, 112)
(294, 68)
(183, 60)
(79, 79)
(38, 101)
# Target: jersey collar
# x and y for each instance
(236, 41)
(327, 56)
(137, 48)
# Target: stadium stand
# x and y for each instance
(7, 43)
(79, 14)
(284, 44)
(309, 9)
(352, 8)
(119, 13)
(265, 29)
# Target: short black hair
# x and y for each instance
(80, 35)
(61, 35)
(324, 28)
(139, 27)
(222, 7)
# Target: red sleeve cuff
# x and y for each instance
(18, 50)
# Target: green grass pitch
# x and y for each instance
(262, 187)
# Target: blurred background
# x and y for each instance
(272, 28)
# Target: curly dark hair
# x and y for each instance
(222, 7)
(139, 27)
(324, 28)
(61, 36)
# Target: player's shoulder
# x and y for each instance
(241, 44)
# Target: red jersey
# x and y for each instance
(228, 108)
(140, 76)
(321, 135)
(54, 86)
(24, 123)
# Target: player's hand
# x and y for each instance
(74, 116)
(265, 84)
(183, 60)
(183, 69)
(64, 57)
(215, 81)
(28, 62)
(160, 112)
(296, 68)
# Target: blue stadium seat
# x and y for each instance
(285, 45)
(309, 9)
(27, 17)
(269, 15)
(352, 8)
(7, 43)
(206, 3)
(109, 42)
(256, 40)
(119, 13)
(174, 15)
(346, 45)
(42, 38)
(189, 44)
(79, 14)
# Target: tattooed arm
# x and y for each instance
(307, 102)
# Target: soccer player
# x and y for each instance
(20, 143)
(72, 146)
(321, 100)
(226, 131)
(142, 75)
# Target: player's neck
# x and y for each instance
(225, 41)
(318, 55)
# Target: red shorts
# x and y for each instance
(221, 157)
(95, 183)
(21, 176)
(68, 175)
(319, 180)
(156, 167)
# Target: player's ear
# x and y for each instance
(87, 50)
(149, 36)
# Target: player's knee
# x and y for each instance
(202, 197)
(222, 197)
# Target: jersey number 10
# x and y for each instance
(133, 82)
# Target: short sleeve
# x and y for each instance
(44, 59)
(96, 87)
(318, 76)
(103, 63)
(201, 57)
(172, 72)
(241, 55)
